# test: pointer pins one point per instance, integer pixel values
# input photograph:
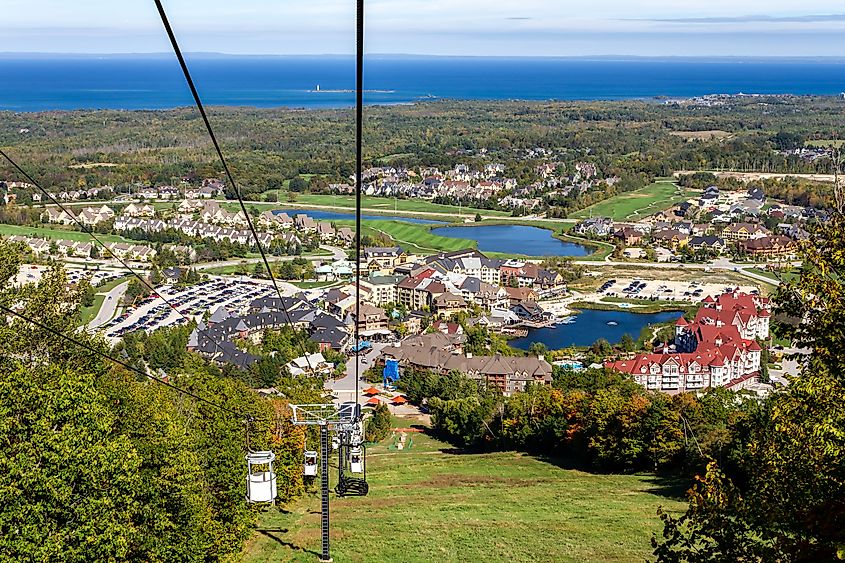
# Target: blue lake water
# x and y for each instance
(590, 325)
(155, 81)
(515, 239)
(320, 215)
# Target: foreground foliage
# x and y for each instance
(783, 497)
(97, 464)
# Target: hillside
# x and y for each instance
(432, 503)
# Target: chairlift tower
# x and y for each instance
(346, 421)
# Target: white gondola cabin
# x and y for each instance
(260, 477)
(356, 460)
(310, 467)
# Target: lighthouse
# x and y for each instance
(317, 89)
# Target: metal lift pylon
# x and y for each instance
(344, 419)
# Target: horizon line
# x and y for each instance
(216, 54)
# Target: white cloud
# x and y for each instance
(472, 27)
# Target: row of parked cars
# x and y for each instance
(606, 285)
(96, 277)
(153, 312)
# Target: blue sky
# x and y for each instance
(442, 27)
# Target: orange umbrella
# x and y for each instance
(399, 400)
(373, 401)
(370, 391)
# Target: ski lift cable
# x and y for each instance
(359, 123)
(130, 367)
(102, 244)
(198, 102)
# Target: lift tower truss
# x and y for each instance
(345, 419)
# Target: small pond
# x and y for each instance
(590, 325)
(515, 239)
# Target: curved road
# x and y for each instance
(109, 307)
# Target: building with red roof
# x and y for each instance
(718, 348)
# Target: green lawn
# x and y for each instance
(638, 204)
(427, 503)
(86, 314)
(382, 204)
(314, 284)
(57, 232)
(419, 238)
(777, 277)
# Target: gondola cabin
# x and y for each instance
(260, 477)
(356, 460)
(310, 467)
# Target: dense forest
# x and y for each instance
(266, 147)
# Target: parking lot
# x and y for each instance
(32, 273)
(192, 302)
(665, 290)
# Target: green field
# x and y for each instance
(429, 503)
(417, 238)
(86, 314)
(314, 284)
(378, 204)
(777, 277)
(56, 232)
(638, 204)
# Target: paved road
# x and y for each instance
(109, 306)
(344, 388)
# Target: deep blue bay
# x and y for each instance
(590, 325)
(514, 239)
(37, 83)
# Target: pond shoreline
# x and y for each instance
(590, 325)
(514, 239)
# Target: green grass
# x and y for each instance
(785, 342)
(313, 284)
(636, 306)
(383, 204)
(413, 237)
(86, 314)
(428, 504)
(57, 232)
(777, 277)
(638, 204)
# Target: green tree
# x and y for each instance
(298, 184)
(780, 495)
(378, 427)
(537, 349)
(628, 343)
(68, 483)
(87, 293)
